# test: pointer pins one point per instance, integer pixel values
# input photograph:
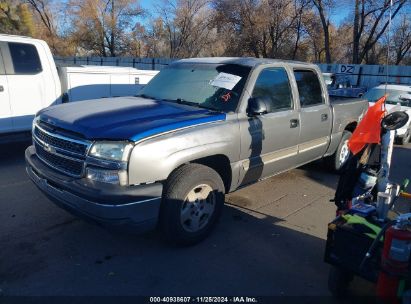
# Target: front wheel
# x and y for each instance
(192, 202)
(341, 155)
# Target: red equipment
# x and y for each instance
(395, 261)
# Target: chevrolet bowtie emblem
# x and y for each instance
(49, 148)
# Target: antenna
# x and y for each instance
(388, 49)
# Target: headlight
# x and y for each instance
(118, 151)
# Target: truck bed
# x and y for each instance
(347, 110)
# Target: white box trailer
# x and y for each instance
(92, 82)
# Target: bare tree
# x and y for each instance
(402, 39)
(370, 24)
(266, 28)
(103, 26)
(185, 26)
(48, 16)
(300, 7)
(322, 6)
(43, 11)
(285, 16)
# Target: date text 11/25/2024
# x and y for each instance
(203, 300)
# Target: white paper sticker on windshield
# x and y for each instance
(226, 81)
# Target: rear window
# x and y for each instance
(25, 58)
(309, 88)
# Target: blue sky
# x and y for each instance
(341, 10)
(339, 13)
(147, 4)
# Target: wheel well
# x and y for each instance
(219, 163)
(351, 126)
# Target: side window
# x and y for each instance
(309, 88)
(274, 83)
(25, 58)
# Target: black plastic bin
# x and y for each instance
(346, 248)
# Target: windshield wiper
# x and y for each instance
(186, 102)
(210, 108)
(194, 104)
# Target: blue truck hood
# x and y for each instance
(125, 118)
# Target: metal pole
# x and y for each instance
(388, 47)
(387, 140)
(387, 144)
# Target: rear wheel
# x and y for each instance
(341, 155)
(192, 203)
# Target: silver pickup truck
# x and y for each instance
(201, 128)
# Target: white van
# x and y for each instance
(30, 81)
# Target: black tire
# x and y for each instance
(183, 182)
(406, 139)
(334, 161)
(338, 281)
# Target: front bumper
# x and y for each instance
(134, 208)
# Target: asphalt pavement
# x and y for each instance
(269, 242)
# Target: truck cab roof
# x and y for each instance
(245, 61)
(15, 38)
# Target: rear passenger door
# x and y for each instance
(270, 141)
(5, 111)
(315, 116)
(26, 82)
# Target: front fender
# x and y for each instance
(153, 160)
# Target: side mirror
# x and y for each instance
(395, 120)
(258, 106)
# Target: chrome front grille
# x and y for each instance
(61, 142)
(62, 153)
(66, 165)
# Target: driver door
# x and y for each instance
(269, 142)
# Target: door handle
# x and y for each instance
(1, 88)
(294, 123)
(324, 117)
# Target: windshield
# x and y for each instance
(392, 98)
(213, 86)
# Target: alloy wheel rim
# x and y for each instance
(345, 153)
(197, 208)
